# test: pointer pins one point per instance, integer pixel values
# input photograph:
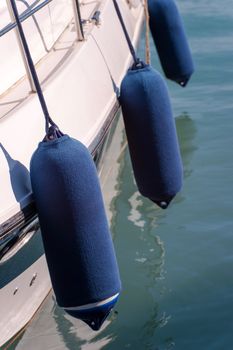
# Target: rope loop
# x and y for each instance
(138, 65)
(53, 133)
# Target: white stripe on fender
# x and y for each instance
(92, 305)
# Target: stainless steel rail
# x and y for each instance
(28, 13)
(78, 20)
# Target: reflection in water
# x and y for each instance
(64, 329)
(135, 215)
(73, 332)
(140, 255)
(186, 130)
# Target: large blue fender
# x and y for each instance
(151, 135)
(169, 36)
(75, 232)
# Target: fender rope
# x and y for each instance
(54, 130)
(130, 45)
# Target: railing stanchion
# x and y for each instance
(78, 20)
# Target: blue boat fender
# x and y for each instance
(77, 242)
(169, 36)
(151, 134)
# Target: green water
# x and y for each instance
(177, 265)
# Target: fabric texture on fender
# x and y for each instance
(151, 135)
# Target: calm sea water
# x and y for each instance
(176, 265)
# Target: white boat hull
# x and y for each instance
(77, 80)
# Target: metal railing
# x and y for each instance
(36, 6)
(26, 14)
